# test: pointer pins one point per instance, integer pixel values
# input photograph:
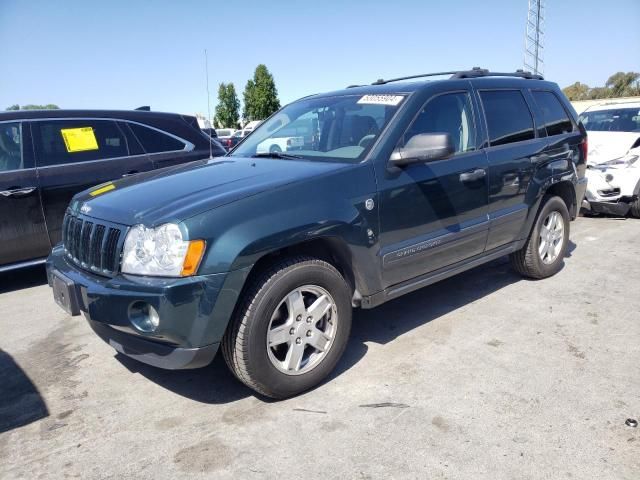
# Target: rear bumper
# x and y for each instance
(193, 311)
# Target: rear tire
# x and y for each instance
(635, 206)
(276, 343)
(543, 254)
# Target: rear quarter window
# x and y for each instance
(556, 119)
(509, 119)
(154, 141)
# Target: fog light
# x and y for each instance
(143, 316)
(608, 177)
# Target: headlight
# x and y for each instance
(160, 252)
(625, 161)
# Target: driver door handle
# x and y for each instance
(130, 172)
(473, 175)
(16, 192)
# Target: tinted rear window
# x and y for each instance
(556, 120)
(508, 117)
(10, 146)
(154, 141)
(71, 141)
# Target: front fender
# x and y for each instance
(331, 206)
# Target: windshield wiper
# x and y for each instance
(276, 155)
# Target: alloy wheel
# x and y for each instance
(551, 237)
(302, 329)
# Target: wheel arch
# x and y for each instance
(332, 249)
(554, 186)
(567, 192)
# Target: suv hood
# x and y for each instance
(177, 193)
(605, 146)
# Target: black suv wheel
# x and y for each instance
(543, 254)
(291, 328)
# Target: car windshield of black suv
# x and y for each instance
(340, 128)
(614, 120)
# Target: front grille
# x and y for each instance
(92, 244)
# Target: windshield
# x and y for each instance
(340, 128)
(613, 120)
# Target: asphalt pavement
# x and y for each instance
(482, 376)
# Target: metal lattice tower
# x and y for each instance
(534, 38)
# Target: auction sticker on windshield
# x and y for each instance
(79, 139)
(381, 100)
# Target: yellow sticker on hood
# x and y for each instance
(79, 139)
(104, 189)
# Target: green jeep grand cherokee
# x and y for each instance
(373, 192)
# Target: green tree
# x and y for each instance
(228, 108)
(247, 100)
(260, 95)
(598, 93)
(624, 84)
(49, 106)
(577, 91)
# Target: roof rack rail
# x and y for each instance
(483, 72)
(381, 81)
(475, 72)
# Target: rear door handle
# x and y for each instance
(130, 172)
(473, 175)
(17, 192)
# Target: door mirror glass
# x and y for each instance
(423, 147)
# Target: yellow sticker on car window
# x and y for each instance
(79, 139)
(104, 189)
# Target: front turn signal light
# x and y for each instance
(195, 251)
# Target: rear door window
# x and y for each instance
(556, 120)
(11, 147)
(60, 142)
(155, 141)
(509, 119)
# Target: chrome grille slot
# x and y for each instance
(92, 244)
(85, 235)
(96, 247)
(111, 248)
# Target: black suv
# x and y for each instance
(47, 156)
(394, 186)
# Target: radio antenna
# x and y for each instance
(206, 66)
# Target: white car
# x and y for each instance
(250, 127)
(613, 169)
(225, 132)
(280, 144)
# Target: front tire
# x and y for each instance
(543, 254)
(290, 329)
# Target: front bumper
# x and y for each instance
(193, 311)
(619, 208)
(154, 353)
(611, 191)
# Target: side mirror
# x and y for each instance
(423, 147)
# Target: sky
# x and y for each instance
(123, 54)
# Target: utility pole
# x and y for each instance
(534, 38)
